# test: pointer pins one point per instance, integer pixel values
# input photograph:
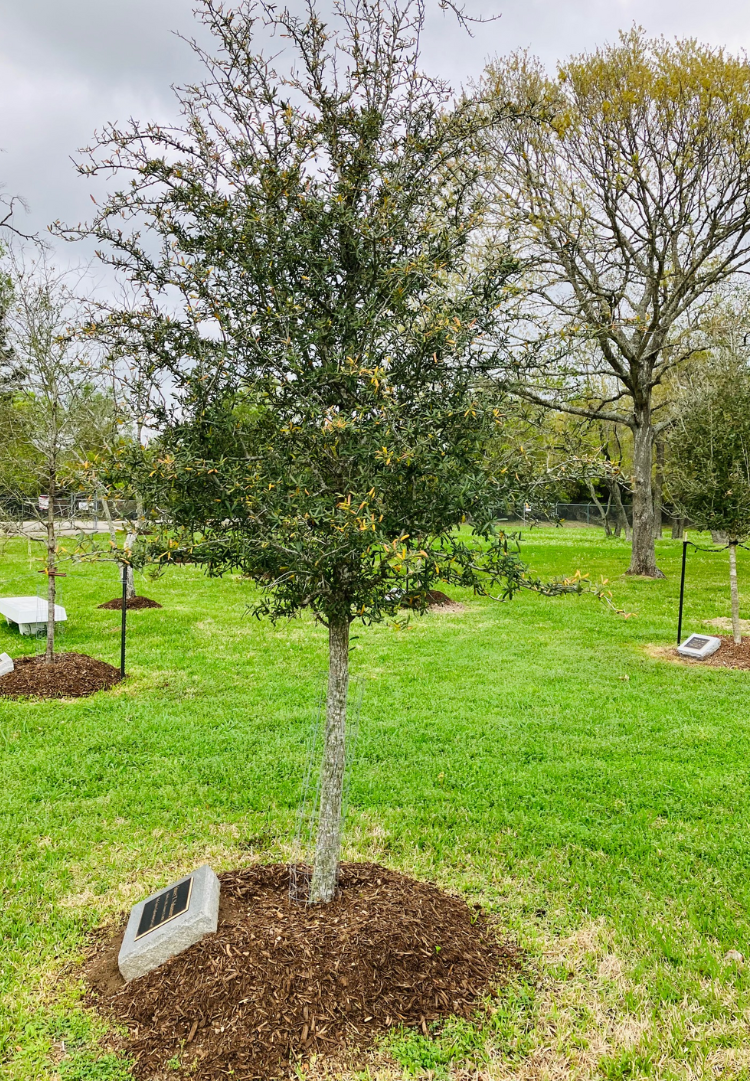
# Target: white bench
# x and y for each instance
(30, 613)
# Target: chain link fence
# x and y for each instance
(587, 514)
(72, 513)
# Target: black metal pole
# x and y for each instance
(682, 590)
(125, 619)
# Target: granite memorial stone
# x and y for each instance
(699, 646)
(169, 921)
(6, 664)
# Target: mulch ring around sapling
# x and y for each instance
(70, 675)
(280, 981)
(133, 604)
(441, 602)
(728, 655)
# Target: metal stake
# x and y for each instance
(124, 619)
(682, 589)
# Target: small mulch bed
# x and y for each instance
(728, 655)
(133, 604)
(434, 596)
(280, 981)
(71, 675)
(441, 602)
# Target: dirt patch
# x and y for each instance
(133, 604)
(71, 675)
(280, 981)
(723, 623)
(728, 655)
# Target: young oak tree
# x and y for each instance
(709, 459)
(626, 194)
(303, 247)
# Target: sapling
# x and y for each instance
(54, 394)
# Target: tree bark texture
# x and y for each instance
(678, 528)
(328, 842)
(736, 633)
(643, 555)
(50, 566)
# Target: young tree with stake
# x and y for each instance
(309, 291)
(709, 460)
(52, 399)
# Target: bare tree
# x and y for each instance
(627, 193)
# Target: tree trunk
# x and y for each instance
(51, 559)
(658, 488)
(643, 555)
(140, 512)
(678, 528)
(603, 514)
(130, 581)
(623, 525)
(328, 843)
(734, 592)
(110, 523)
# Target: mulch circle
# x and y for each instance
(728, 655)
(70, 675)
(280, 981)
(434, 596)
(133, 604)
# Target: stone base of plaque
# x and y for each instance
(169, 921)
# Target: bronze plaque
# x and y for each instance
(165, 907)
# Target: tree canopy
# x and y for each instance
(303, 247)
(709, 467)
(709, 475)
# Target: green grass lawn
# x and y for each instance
(530, 754)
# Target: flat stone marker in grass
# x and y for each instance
(169, 921)
(699, 646)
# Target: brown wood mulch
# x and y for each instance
(435, 597)
(728, 655)
(280, 981)
(70, 675)
(133, 604)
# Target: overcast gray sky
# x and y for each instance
(69, 66)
